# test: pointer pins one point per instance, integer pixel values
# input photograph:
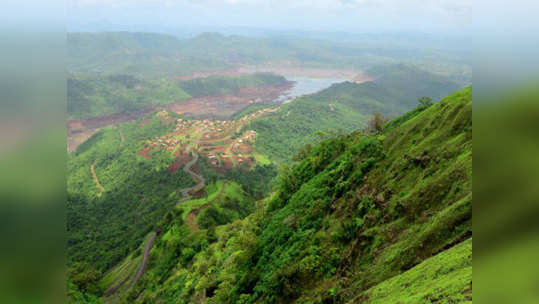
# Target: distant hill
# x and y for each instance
(381, 218)
(157, 55)
(98, 95)
(140, 54)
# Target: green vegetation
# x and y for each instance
(444, 278)
(297, 123)
(214, 85)
(345, 107)
(395, 89)
(156, 55)
(94, 96)
(358, 218)
(105, 225)
(139, 54)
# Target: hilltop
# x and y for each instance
(371, 218)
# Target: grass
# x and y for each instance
(262, 159)
(444, 278)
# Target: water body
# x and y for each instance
(306, 86)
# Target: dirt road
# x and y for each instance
(96, 180)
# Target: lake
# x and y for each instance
(306, 86)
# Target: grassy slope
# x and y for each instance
(444, 278)
(353, 220)
(346, 106)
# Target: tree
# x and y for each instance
(425, 101)
(376, 123)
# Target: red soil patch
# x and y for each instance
(224, 106)
(245, 148)
(144, 153)
(181, 160)
(227, 163)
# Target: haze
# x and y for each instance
(236, 16)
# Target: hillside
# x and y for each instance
(345, 107)
(139, 54)
(125, 178)
(115, 195)
(94, 96)
(158, 55)
(359, 218)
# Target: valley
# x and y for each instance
(219, 106)
(354, 184)
(266, 170)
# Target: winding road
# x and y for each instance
(150, 242)
(199, 178)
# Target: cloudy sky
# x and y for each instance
(310, 15)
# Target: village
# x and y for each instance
(221, 142)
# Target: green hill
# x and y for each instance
(384, 218)
(139, 54)
(347, 107)
(157, 55)
(94, 96)
(106, 223)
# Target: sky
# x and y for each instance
(354, 16)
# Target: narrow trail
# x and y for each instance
(96, 180)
